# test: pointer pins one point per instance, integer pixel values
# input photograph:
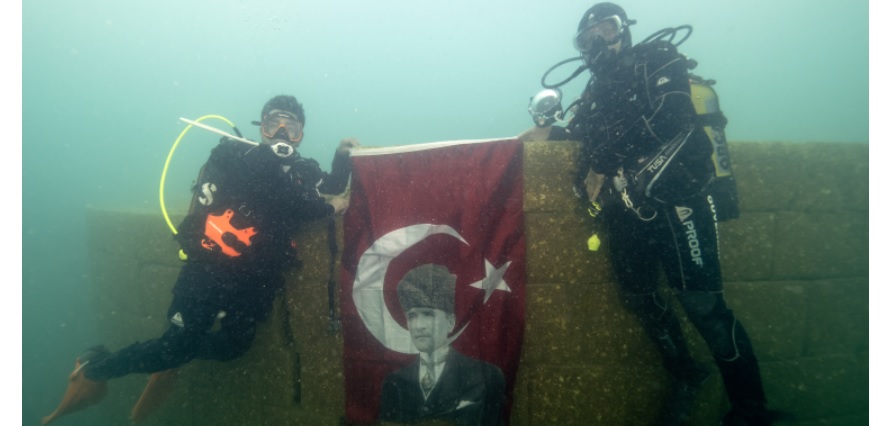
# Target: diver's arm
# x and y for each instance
(593, 184)
(535, 133)
(336, 181)
(547, 133)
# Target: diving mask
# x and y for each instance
(282, 125)
(605, 32)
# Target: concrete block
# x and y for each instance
(838, 317)
(747, 246)
(611, 394)
(816, 388)
(139, 235)
(835, 177)
(557, 250)
(549, 168)
(821, 245)
(774, 315)
(597, 395)
(764, 171)
(572, 324)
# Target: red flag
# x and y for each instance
(456, 204)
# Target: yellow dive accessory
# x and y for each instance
(594, 243)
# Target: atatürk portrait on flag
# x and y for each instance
(441, 383)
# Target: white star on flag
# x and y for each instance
(493, 280)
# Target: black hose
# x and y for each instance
(571, 77)
(334, 323)
(292, 344)
(669, 34)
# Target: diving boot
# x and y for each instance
(160, 386)
(677, 406)
(82, 392)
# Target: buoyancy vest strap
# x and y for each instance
(217, 226)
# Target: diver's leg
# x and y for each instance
(695, 275)
(190, 320)
(663, 327)
(732, 350)
(635, 254)
(234, 338)
(239, 318)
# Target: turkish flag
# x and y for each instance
(457, 204)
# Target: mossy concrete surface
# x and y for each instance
(796, 274)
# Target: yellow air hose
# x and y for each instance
(167, 166)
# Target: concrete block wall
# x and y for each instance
(796, 274)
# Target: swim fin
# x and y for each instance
(160, 386)
(81, 393)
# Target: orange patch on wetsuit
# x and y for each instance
(217, 226)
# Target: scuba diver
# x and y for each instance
(645, 169)
(248, 202)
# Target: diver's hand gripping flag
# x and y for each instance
(457, 204)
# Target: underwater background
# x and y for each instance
(104, 84)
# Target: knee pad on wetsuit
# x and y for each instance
(715, 322)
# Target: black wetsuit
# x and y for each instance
(253, 191)
(636, 104)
